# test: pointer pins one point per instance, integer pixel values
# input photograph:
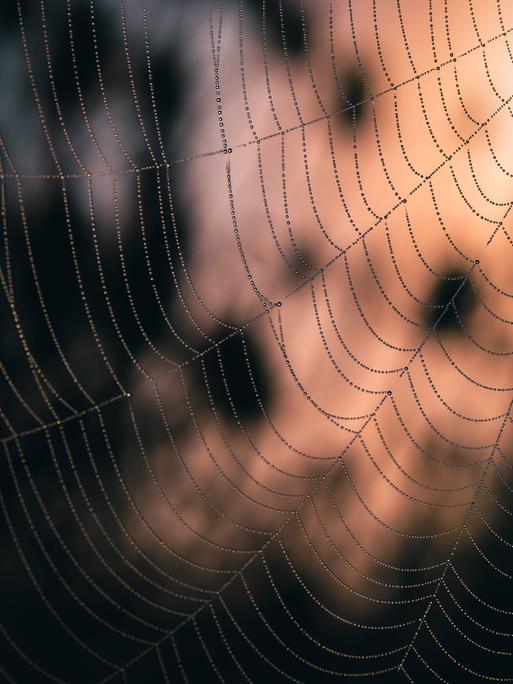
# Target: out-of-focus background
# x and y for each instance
(255, 371)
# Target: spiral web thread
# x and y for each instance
(128, 602)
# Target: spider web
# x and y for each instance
(256, 400)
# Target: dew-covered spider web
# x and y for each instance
(256, 377)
